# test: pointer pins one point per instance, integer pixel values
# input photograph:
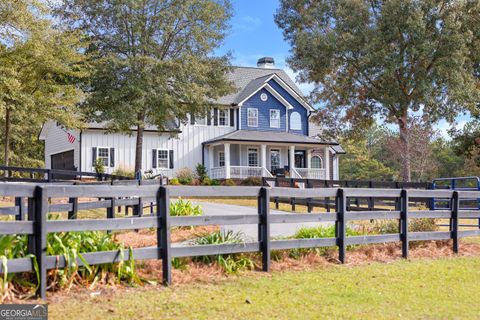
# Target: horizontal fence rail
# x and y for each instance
(34, 203)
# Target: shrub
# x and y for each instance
(120, 171)
(174, 182)
(185, 175)
(210, 182)
(184, 208)
(99, 166)
(229, 183)
(423, 225)
(231, 263)
(384, 227)
(201, 171)
(415, 225)
(252, 181)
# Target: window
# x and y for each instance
(252, 157)
(316, 162)
(104, 155)
(252, 117)
(221, 159)
(162, 156)
(223, 117)
(201, 121)
(295, 121)
(274, 118)
(274, 159)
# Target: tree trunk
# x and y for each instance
(139, 144)
(6, 140)
(405, 170)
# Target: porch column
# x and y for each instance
(263, 149)
(292, 158)
(327, 162)
(309, 158)
(227, 160)
(211, 163)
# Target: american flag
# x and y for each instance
(70, 137)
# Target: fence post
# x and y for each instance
(404, 222)
(163, 233)
(40, 235)
(20, 203)
(264, 227)
(72, 214)
(340, 224)
(455, 208)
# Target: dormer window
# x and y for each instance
(252, 117)
(223, 117)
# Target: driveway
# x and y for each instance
(251, 230)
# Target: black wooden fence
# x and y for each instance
(40, 197)
(21, 174)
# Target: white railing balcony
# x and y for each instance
(309, 173)
(217, 173)
(239, 172)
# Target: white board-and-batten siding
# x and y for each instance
(56, 141)
(186, 146)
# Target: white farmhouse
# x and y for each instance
(261, 129)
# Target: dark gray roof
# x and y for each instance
(269, 136)
(338, 149)
(247, 79)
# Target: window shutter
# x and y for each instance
(209, 117)
(170, 155)
(238, 118)
(154, 158)
(192, 118)
(232, 117)
(215, 117)
(112, 157)
(94, 156)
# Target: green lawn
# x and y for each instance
(420, 289)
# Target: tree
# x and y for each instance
(153, 60)
(39, 68)
(385, 59)
(358, 163)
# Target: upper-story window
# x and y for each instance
(252, 117)
(201, 121)
(274, 118)
(222, 117)
(295, 121)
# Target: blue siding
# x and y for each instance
(296, 107)
(264, 108)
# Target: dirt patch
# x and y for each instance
(148, 238)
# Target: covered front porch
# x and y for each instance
(239, 156)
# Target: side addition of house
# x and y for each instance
(261, 129)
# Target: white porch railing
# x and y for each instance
(239, 172)
(294, 173)
(217, 173)
(309, 173)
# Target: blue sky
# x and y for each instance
(254, 34)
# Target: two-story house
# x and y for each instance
(262, 127)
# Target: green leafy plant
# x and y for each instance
(121, 171)
(201, 171)
(229, 183)
(99, 166)
(210, 182)
(231, 263)
(185, 176)
(252, 181)
(174, 182)
(184, 208)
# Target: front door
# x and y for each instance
(274, 160)
(300, 159)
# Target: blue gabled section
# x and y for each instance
(264, 108)
(297, 107)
